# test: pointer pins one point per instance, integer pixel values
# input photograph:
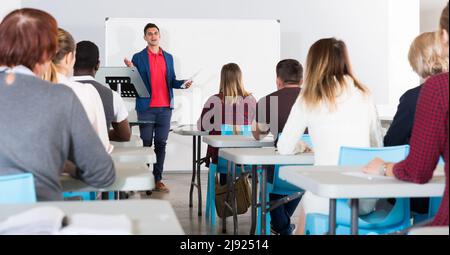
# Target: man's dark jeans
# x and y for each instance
(281, 216)
(159, 132)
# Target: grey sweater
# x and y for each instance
(41, 126)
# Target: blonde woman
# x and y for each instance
(338, 111)
(60, 71)
(233, 105)
(427, 58)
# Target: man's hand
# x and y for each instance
(188, 84)
(70, 168)
(302, 147)
(128, 62)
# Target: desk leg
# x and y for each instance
(233, 198)
(227, 198)
(199, 186)
(332, 218)
(254, 199)
(194, 163)
(263, 202)
(355, 216)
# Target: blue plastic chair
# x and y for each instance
(279, 187)
(223, 169)
(380, 221)
(17, 189)
(85, 196)
(435, 203)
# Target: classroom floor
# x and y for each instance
(179, 184)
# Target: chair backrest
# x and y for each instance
(441, 161)
(226, 129)
(282, 187)
(307, 139)
(17, 189)
(400, 213)
(245, 130)
(352, 156)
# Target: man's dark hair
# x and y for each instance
(150, 25)
(290, 71)
(87, 56)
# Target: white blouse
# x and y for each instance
(353, 122)
(92, 104)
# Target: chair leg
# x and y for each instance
(259, 217)
(213, 198)
(258, 228)
(258, 221)
(208, 194)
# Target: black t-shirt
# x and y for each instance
(274, 109)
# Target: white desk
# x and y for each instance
(336, 182)
(429, 231)
(237, 141)
(191, 130)
(129, 177)
(264, 156)
(133, 155)
(135, 141)
(259, 157)
(149, 217)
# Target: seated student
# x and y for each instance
(233, 105)
(338, 111)
(86, 66)
(60, 71)
(43, 125)
(427, 58)
(271, 116)
(429, 139)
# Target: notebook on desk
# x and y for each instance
(48, 220)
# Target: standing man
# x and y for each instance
(157, 71)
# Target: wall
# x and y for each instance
(8, 5)
(402, 31)
(430, 12)
(363, 24)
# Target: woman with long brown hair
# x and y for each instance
(337, 110)
(233, 105)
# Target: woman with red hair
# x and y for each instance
(43, 125)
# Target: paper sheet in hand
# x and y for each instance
(190, 79)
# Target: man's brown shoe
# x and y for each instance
(160, 187)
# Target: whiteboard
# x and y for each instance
(203, 45)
